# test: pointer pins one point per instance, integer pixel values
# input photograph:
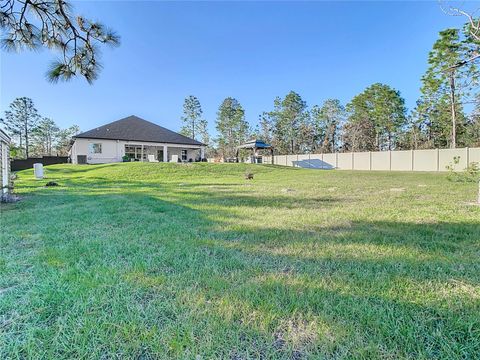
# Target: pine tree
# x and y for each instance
(192, 115)
(290, 124)
(64, 138)
(44, 137)
(378, 111)
(232, 127)
(264, 128)
(50, 24)
(327, 121)
(444, 87)
(20, 121)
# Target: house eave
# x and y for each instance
(199, 144)
(4, 136)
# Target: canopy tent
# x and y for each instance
(255, 145)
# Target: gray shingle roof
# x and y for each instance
(4, 136)
(133, 128)
(255, 143)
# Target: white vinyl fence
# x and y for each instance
(398, 160)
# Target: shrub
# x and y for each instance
(248, 175)
(470, 174)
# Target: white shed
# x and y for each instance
(5, 163)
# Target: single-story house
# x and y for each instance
(5, 164)
(135, 138)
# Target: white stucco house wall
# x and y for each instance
(136, 138)
(4, 164)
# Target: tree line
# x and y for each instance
(374, 120)
(34, 135)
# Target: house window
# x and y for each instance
(95, 148)
(135, 152)
(184, 155)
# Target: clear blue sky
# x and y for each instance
(252, 51)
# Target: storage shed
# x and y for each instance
(5, 164)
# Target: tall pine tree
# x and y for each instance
(20, 121)
(232, 127)
(192, 116)
(45, 136)
(327, 121)
(445, 85)
(291, 128)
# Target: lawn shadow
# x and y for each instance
(400, 289)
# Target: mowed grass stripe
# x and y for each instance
(142, 260)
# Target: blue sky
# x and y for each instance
(252, 51)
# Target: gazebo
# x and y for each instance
(255, 145)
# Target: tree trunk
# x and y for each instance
(26, 139)
(478, 198)
(333, 140)
(21, 143)
(453, 143)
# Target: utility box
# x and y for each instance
(38, 170)
(81, 159)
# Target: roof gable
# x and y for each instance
(133, 128)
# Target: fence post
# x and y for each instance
(370, 160)
(336, 160)
(390, 160)
(438, 159)
(353, 160)
(413, 158)
(478, 197)
(468, 156)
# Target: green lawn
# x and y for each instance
(193, 261)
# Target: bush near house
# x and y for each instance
(142, 260)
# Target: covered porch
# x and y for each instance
(163, 152)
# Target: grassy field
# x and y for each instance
(193, 261)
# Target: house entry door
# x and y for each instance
(160, 155)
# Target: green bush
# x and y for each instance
(470, 174)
